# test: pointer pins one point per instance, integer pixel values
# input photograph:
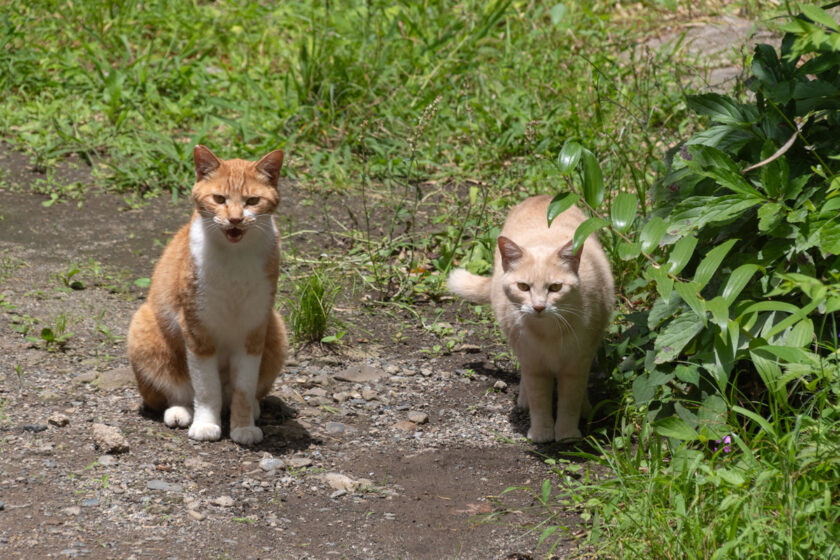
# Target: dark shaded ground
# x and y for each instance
(417, 489)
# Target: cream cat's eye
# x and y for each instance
(219, 199)
(523, 286)
(252, 201)
(555, 287)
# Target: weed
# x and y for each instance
(310, 312)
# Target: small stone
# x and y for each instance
(198, 516)
(90, 502)
(360, 373)
(271, 464)
(34, 428)
(405, 426)
(418, 417)
(87, 377)
(164, 486)
(117, 379)
(49, 396)
(315, 392)
(2, 506)
(338, 494)
(369, 394)
(339, 481)
(389, 516)
(340, 397)
(109, 439)
(500, 385)
(72, 510)
(196, 463)
(107, 461)
(337, 428)
(59, 420)
(222, 501)
(300, 462)
(467, 348)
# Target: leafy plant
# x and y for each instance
(310, 310)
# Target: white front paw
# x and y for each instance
(248, 435)
(567, 433)
(541, 434)
(205, 431)
(177, 417)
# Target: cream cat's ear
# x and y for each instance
(567, 254)
(206, 162)
(510, 251)
(269, 166)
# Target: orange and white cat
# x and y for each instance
(553, 304)
(208, 336)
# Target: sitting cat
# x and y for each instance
(208, 335)
(553, 305)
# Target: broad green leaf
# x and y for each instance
(143, 282)
(737, 280)
(770, 306)
(715, 164)
(818, 15)
(558, 12)
(652, 233)
(664, 283)
(731, 476)
(623, 211)
(559, 204)
(769, 216)
(770, 373)
(802, 334)
(585, 229)
(765, 425)
(593, 180)
(675, 336)
(629, 251)
(687, 374)
(711, 417)
(696, 212)
(681, 254)
(546, 490)
(675, 427)
(689, 293)
(720, 312)
(787, 353)
(569, 156)
(830, 238)
(710, 263)
(722, 109)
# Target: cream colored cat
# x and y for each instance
(552, 304)
(208, 335)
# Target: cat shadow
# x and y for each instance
(281, 432)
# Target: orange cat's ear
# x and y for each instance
(205, 162)
(510, 251)
(567, 254)
(269, 166)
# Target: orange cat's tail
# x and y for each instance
(469, 286)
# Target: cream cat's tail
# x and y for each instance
(469, 286)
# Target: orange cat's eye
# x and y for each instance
(523, 286)
(555, 287)
(219, 199)
(252, 201)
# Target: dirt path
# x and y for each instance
(382, 451)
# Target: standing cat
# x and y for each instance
(553, 305)
(208, 335)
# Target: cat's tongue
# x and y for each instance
(234, 235)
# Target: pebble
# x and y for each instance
(405, 426)
(222, 501)
(164, 486)
(72, 510)
(107, 461)
(271, 464)
(338, 494)
(360, 373)
(315, 392)
(109, 439)
(2, 506)
(117, 379)
(369, 394)
(198, 516)
(389, 516)
(300, 462)
(34, 428)
(59, 420)
(340, 397)
(336, 428)
(90, 502)
(418, 417)
(500, 385)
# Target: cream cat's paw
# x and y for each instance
(541, 434)
(247, 435)
(177, 417)
(561, 434)
(205, 431)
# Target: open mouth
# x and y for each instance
(234, 235)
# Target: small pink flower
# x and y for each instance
(726, 441)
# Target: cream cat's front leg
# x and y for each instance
(537, 389)
(207, 403)
(244, 408)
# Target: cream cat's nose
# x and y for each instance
(235, 221)
(539, 308)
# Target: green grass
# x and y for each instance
(437, 117)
